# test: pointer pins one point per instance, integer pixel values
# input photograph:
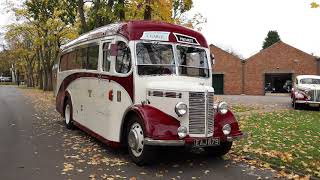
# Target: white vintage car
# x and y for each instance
(306, 91)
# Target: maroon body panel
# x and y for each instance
(161, 126)
(125, 82)
(158, 125)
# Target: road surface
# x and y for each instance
(34, 144)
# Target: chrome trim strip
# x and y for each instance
(234, 138)
(307, 102)
(153, 142)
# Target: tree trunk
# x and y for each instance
(40, 77)
(45, 80)
(98, 18)
(148, 10)
(50, 87)
(122, 14)
(84, 26)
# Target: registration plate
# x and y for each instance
(206, 142)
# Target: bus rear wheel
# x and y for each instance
(68, 118)
(140, 153)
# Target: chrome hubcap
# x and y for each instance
(135, 139)
(67, 114)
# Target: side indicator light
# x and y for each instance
(110, 95)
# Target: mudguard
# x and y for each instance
(220, 120)
(158, 125)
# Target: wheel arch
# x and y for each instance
(67, 97)
(125, 120)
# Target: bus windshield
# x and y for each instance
(158, 59)
(155, 59)
(192, 61)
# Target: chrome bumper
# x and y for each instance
(307, 102)
(153, 142)
(235, 138)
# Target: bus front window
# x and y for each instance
(155, 59)
(192, 61)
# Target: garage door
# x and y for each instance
(278, 82)
(217, 81)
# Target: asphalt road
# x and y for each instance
(34, 144)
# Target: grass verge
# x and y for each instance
(288, 139)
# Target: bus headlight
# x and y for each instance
(181, 109)
(223, 107)
(226, 129)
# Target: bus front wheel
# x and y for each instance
(68, 118)
(140, 154)
(219, 150)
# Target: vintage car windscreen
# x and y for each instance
(155, 59)
(192, 61)
(310, 81)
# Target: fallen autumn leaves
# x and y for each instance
(287, 139)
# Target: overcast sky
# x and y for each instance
(242, 25)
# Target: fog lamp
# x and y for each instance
(226, 129)
(181, 109)
(182, 132)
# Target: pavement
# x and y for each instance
(34, 144)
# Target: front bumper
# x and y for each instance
(308, 102)
(187, 141)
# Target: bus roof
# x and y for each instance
(135, 30)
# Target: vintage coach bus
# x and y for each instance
(143, 84)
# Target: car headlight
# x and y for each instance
(223, 107)
(226, 129)
(181, 109)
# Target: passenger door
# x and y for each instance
(101, 86)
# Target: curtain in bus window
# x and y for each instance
(64, 62)
(123, 59)
(93, 54)
(82, 57)
(106, 57)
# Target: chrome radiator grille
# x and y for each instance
(200, 113)
(314, 95)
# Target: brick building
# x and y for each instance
(275, 66)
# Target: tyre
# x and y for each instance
(220, 150)
(68, 118)
(140, 154)
(295, 105)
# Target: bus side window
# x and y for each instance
(72, 61)
(82, 57)
(123, 59)
(93, 54)
(64, 62)
(106, 57)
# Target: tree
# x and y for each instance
(53, 27)
(20, 40)
(315, 5)
(271, 38)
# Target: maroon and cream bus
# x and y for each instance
(143, 84)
